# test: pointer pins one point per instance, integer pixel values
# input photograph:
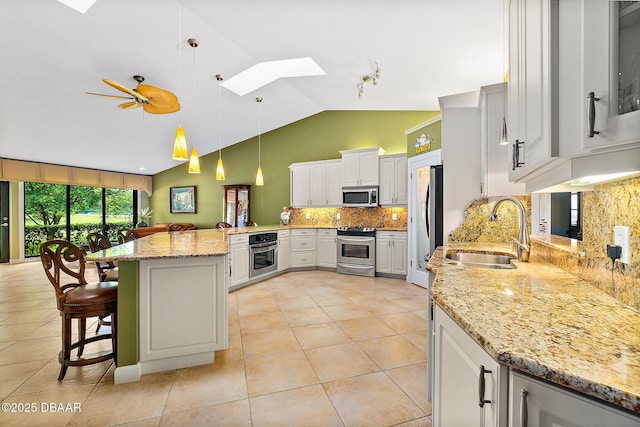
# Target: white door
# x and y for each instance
(420, 169)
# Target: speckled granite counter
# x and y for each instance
(544, 321)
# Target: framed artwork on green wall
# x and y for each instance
(182, 199)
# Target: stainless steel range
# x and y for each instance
(357, 251)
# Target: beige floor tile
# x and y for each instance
(347, 311)
(45, 379)
(273, 341)
(134, 401)
(231, 414)
(379, 305)
(72, 401)
(412, 302)
(21, 305)
(14, 375)
(18, 332)
(257, 305)
(419, 339)
(262, 321)
(420, 422)
(339, 361)
(326, 300)
(392, 352)
(148, 422)
(365, 328)
(277, 373)
(421, 313)
(412, 380)
(371, 400)
(319, 335)
(306, 316)
(52, 328)
(312, 408)
(234, 352)
(31, 350)
(295, 302)
(28, 316)
(405, 322)
(207, 385)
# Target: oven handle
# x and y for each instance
(356, 266)
(357, 239)
(263, 245)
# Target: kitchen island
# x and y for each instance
(540, 320)
(172, 301)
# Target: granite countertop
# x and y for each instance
(541, 320)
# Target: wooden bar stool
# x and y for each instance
(63, 261)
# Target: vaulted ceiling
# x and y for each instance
(52, 55)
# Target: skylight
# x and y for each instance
(80, 5)
(264, 73)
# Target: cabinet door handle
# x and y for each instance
(516, 154)
(591, 114)
(481, 399)
(524, 410)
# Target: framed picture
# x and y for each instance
(182, 199)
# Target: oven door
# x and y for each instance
(263, 259)
(356, 250)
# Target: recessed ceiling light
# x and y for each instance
(80, 5)
(142, 168)
(264, 73)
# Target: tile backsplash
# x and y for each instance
(350, 217)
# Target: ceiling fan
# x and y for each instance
(153, 99)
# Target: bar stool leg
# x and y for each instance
(65, 354)
(82, 335)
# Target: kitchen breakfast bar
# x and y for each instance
(172, 301)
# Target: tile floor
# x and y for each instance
(308, 348)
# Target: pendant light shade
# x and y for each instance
(220, 171)
(220, 168)
(180, 146)
(259, 178)
(504, 132)
(194, 162)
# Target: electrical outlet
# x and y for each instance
(338, 215)
(621, 236)
(394, 216)
(308, 216)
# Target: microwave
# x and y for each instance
(359, 197)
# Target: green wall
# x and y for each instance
(318, 137)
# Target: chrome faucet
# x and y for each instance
(522, 243)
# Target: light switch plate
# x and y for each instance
(621, 236)
(338, 215)
(394, 216)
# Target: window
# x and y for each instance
(70, 212)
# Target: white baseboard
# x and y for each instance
(127, 374)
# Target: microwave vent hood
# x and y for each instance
(582, 173)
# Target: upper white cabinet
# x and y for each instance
(532, 112)
(393, 180)
(470, 388)
(536, 403)
(494, 160)
(316, 183)
(360, 167)
(600, 75)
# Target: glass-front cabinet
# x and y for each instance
(611, 48)
(236, 204)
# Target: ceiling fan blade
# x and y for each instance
(129, 105)
(109, 96)
(152, 109)
(157, 97)
(125, 90)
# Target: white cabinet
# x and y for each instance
(465, 375)
(536, 403)
(303, 248)
(393, 180)
(532, 112)
(284, 249)
(391, 253)
(238, 259)
(599, 55)
(360, 167)
(494, 161)
(327, 251)
(316, 183)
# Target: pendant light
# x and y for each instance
(503, 138)
(194, 161)
(220, 167)
(259, 178)
(504, 132)
(180, 143)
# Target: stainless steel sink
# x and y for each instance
(473, 259)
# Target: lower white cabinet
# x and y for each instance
(391, 252)
(327, 252)
(470, 388)
(238, 259)
(284, 249)
(536, 403)
(303, 248)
